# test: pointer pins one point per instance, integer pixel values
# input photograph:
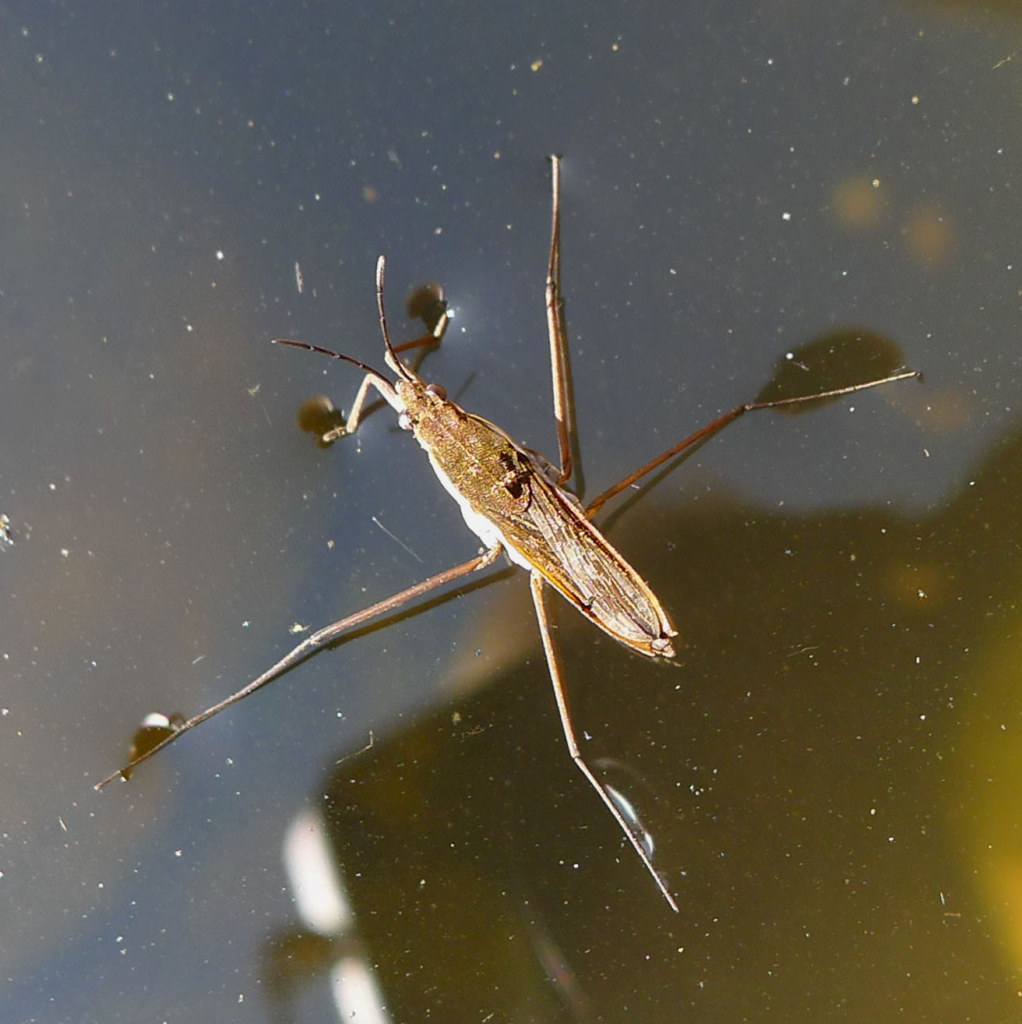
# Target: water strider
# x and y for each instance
(515, 501)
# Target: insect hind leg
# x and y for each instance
(635, 836)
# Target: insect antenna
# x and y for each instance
(328, 352)
(392, 358)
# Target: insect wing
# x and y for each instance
(576, 559)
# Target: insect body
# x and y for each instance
(514, 500)
(510, 496)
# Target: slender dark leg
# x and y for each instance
(722, 421)
(312, 643)
(561, 697)
(556, 331)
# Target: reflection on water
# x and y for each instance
(829, 776)
(6, 540)
(610, 767)
(428, 304)
(318, 416)
(155, 728)
(834, 760)
(836, 360)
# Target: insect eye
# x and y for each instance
(437, 389)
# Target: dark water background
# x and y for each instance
(831, 773)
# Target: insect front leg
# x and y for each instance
(350, 425)
(371, 379)
(635, 836)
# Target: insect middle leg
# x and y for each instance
(556, 330)
(561, 385)
(722, 421)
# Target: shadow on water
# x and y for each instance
(828, 777)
